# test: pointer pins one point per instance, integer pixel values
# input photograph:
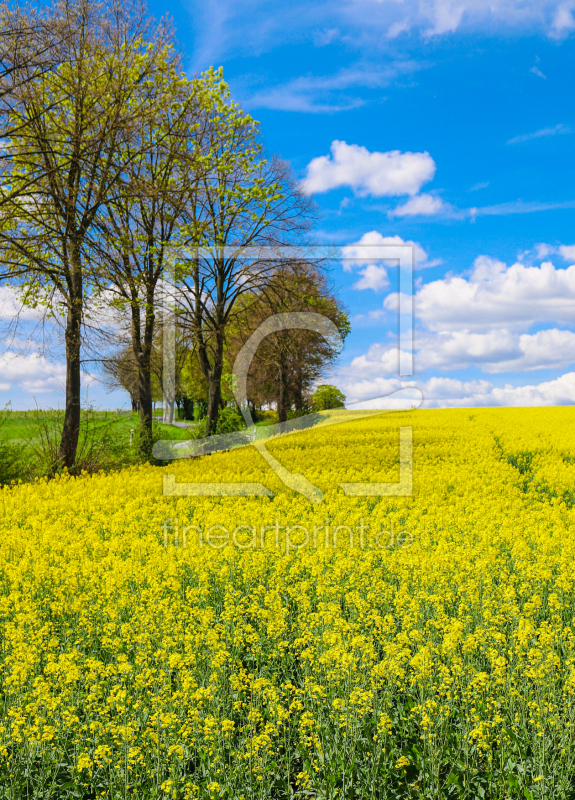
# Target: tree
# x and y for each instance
(141, 221)
(71, 125)
(191, 385)
(288, 362)
(326, 397)
(239, 203)
(31, 44)
(121, 372)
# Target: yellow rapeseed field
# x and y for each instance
(269, 647)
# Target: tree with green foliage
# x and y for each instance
(143, 219)
(69, 150)
(31, 45)
(327, 396)
(241, 200)
(288, 362)
(191, 385)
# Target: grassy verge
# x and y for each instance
(108, 440)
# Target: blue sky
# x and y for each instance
(470, 107)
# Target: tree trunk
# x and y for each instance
(282, 393)
(215, 394)
(213, 374)
(298, 387)
(142, 345)
(212, 370)
(71, 428)
(145, 399)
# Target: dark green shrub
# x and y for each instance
(230, 420)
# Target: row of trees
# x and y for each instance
(113, 159)
(286, 365)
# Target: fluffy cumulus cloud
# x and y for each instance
(442, 392)
(372, 277)
(448, 392)
(33, 373)
(421, 205)
(495, 294)
(493, 352)
(379, 361)
(390, 174)
(436, 392)
(499, 319)
(567, 251)
(373, 247)
(376, 246)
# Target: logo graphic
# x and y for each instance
(258, 436)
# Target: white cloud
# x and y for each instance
(494, 352)
(372, 277)
(567, 252)
(459, 349)
(483, 321)
(445, 350)
(497, 295)
(224, 29)
(321, 94)
(372, 392)
(389, 174)
(543, 250)
(423, 204)
(518, 207)
(439, 17)
(550, 349)
(379, 361)
(447, 392)
(527, 137)
(11, 306)
(33, 373)
(441, 392)
(537, 71)
(373, 245)
(563, 20)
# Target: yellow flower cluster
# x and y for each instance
(269, 647)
